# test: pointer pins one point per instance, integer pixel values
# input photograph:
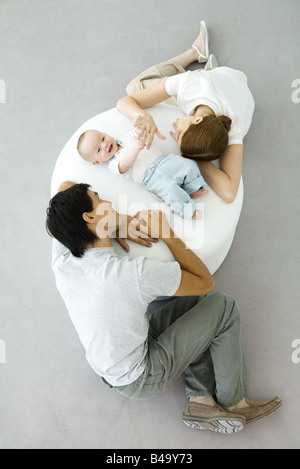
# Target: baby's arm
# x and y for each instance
(129, 159)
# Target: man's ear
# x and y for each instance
(88, 218)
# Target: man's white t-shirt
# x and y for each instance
(107, 296)
(223, 89)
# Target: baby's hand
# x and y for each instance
(140, 145)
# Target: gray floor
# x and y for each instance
(64, 61)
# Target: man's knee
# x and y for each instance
(224, 302)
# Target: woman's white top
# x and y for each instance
(223, 89)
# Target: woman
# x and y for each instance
(218, 106)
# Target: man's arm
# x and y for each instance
(195, 277)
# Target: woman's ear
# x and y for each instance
(198, 119)
(88, 218)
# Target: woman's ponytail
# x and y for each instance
(226, 121)
(207, 140)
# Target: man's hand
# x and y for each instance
(147, 129)
(154, 223)
(130, 229)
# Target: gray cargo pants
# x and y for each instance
(200, 337)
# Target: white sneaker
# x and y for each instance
(204, 53)
(211, 63)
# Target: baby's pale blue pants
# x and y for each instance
(173, 178)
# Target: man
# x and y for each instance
(107, 295)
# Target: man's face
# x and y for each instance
(104, 216)
(98, 147)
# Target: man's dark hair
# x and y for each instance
(64, 219)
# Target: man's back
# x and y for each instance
(107, 297)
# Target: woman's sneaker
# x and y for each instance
(211, 63)
(201, 44)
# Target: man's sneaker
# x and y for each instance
(258, 409)
(215, 418)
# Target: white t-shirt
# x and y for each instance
(144, 160)
(107, 296)
(223, 89)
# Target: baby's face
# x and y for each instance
(98, 147)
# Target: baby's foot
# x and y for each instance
(198, 193)
(198, 214)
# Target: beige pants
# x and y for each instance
(154, 75)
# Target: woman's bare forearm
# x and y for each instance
(129, 107)
(225, 180)
(217, 180)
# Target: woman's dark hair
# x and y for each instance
(64, 219)
(207, 140)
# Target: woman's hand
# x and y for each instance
(175, 133)
(147, 129)
(133, 106)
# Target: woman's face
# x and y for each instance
(181, 126)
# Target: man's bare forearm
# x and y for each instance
(186, 258)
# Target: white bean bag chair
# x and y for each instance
(210, 238)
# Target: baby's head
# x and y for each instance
(96, 146)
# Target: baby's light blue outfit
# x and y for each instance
(173, 178)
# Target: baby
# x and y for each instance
(174, 179)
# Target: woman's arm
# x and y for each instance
(133, 106)
(226, 180)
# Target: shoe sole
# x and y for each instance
(225, 426)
